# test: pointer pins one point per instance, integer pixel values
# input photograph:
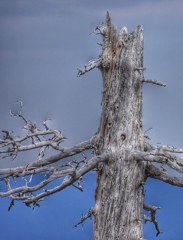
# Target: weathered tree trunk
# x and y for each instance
(119, 192)
(124, 159)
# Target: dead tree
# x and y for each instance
(123, 157)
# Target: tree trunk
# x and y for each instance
(119, 193)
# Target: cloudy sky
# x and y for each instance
(42, 43)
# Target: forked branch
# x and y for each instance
(71, 173)
(94, 63)
(74, 172)
(11, 145)
(161, 155)
(152, 210)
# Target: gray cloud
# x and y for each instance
(43, 42)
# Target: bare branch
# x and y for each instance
(146, 132)
(79, 186)
(72, 174)
(20, 113)
(11, 145)
(152, 211)
(16, 142)
(26, 170)
(41, 153)
(11, 205)
(140, 68)
(100, 29)
(154, 82)
(25, 189)
(94, 63)
(163, 157)
(69, 180)
(156, 173)
(88, 215)
(171, 149)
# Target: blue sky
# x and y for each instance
(42, 43)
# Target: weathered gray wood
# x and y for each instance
(124, 157)
(119, 192)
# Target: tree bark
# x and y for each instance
(119, 192)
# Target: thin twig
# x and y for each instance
(154, 82)
(85, 217)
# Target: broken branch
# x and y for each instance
(152, 210)
(83, 218)
(154, 82)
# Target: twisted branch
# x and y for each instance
(70, 172)
(152, 210)
(76, 171)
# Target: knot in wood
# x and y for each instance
(123, 136)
